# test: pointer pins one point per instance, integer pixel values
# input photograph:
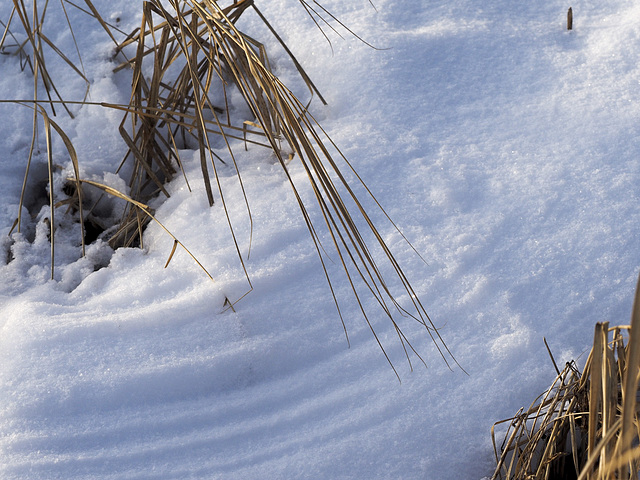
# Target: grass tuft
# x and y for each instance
(181, 50)
(585, 425)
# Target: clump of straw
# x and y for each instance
(182, 50)
(585, 426)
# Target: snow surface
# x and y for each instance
(504, 147)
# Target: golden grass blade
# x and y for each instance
(621, 462)
(173, 250)
(49, 123)
(630, 385)
(75, 43)
(595, 389)
(594, 457)
(34, 135)
(67, 61)
(575, 441)
(94, 13)
(35, 37)
(313, 14)
(301, 70)
(6, 28)
(553, 360)
(52, 223)
(610, 390)
(337, 20)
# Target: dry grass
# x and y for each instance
(585, 426)
(181, 50)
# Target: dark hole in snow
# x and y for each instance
(69, 189)
(8, 252)
(92, 231)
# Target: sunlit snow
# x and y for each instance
(504, 147)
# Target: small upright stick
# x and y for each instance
(570, 19)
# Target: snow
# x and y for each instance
(502, 145)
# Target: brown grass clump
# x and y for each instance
(585, 426)
(180, 52)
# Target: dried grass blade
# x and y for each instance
(94, 11)
(173, 250)
(301, 70)
(595, 388)
(76, 170)
(630, 384)
(336, 19)
(34, 135)
(6, 28)
(34, 36)
(594, 455)
(52, 224)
